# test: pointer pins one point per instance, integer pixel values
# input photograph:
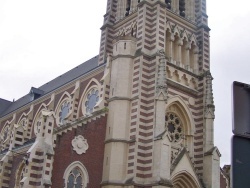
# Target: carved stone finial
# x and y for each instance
(80, 144)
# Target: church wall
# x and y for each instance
(19, 114)
(17, 159)
(192, 100)
(94, 132)
(4, 121)
(59, 95)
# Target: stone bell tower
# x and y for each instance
(158, 90)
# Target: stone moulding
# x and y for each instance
(80, 144)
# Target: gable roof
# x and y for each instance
(54, 84)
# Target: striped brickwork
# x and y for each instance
(36, 169)
(150, 38)
(107, 31)
(5, 170)
(203, 35)
(151, 27)
(142, 118)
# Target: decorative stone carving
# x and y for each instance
(128, 31)
(80, 144)
(161, 87)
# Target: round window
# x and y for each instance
(64, 111)
(91, 99)
(174, 127)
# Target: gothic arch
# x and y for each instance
(185, 35)
(193, 40)
(168, 26)
(93, 83)
(184, 179)
(66, 97)
(43, 106)
(176, 30)
(184, 111)
(19, 174)
(83, 171)
(25, 115)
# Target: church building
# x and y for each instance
(138, 115)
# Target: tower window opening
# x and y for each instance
(182, 8)
(125, 46)
(128, 7)
(168, 3)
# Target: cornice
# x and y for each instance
(182, 88)
(80, 122)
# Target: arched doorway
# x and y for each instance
(184, 180)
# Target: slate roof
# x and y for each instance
(91, 64)
(4, 104)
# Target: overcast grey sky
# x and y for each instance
(41, 39)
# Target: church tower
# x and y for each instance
(157, 86)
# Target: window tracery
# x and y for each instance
(174, 126)
(76, 176)
(38, 123)
(24, 123)
(64, 111)
(75, 179)
(91, 100)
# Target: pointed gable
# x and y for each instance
(183, 168)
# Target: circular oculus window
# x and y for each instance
(174, 127)
(64, 111)
(90, 101)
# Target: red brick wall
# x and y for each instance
(94, 132)
(223, 183)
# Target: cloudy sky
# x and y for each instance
(42, 39)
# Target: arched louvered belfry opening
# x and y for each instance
(184, 180)
(168, 3)
(182, 8)
(128, 6)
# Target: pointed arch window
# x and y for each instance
(75, 179)
(182, 8)
(64, 111)
(128, 6)
(76, 176)
(168, 3)
(91, 99)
